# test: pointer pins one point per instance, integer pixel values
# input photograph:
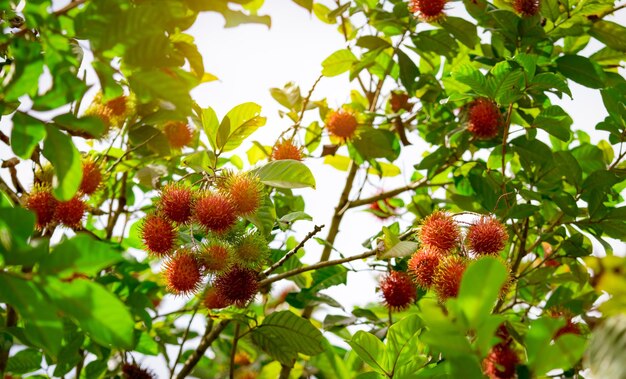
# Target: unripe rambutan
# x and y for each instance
(526, 8)
(215, 212)
(237, 286)
(423, 265)
(44, 175)
(183, 273)
(448, 276)
(213, 300)
(487, 236)
(245, 192)
(176, 203)
(398, 290)
(341, 124)
(158, 234)
(440, 230)
(500, 362)
(102, 112)
(400, 100)
(428, 10)
(41, 202)
(70, 213)
(92, 177)
(134, 371)
(178, 134)
(285, 149)
(484, 118)
(252, 251)
(216, 256)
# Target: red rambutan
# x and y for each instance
(134, 371)
(487, 236)
(484, 118)
(570, 327)
(158, 234)
(216, 256)
(398, 290)
(448, 276)
(213, 300)
(428, 10)
(245, 192)
(500, 362)
(215, 212)
(237, 286)
(92, 177)
(118, 106)
(176, 203)
(286, 149)
(41, 202)
(178, 134)
(341, 124)
(423, 265)
(440, 230)
(70, 213)
(182, 272)
(526, 8)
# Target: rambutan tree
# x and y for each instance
(496, 258)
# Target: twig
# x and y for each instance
(69, 7)
(182, 343)
(233, 352)
(119, 160)
(209, 336)
(282, 260)
(121, 203)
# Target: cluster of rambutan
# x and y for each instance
(502, 359)
(49, 211)
(113, 113)
(228, 253)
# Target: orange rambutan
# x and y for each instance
(237, 286)
(428, 10)
(134, 371)
(41, 202)
(487, 236)
(286, 149)
(448, 276)
(423, 265)
(216, 256)
(484, 118)
(440, 230)
(176, 203)
(70, 213)
(158, 234)
(213, 300)
(183, 273)
(341, 124)
(526, 8)
(500, 362)
(398, 290)
(245, 192)
(92, 177)
(215, 212)
(178, 134)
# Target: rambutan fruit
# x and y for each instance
(215, 212)
(341, 124)
(252, 251)
(176, 203)
(216, 256)
(241, 359)
(245, 192)
(526, 8)
(487, 236)
(286, 149)
(70, 213)
(41, 202)
(178, 134)
(158, 234)
(103, 113)
(428, 10)
(484, 118)
(500, 362)
(237, 286)
(183, 273)
(448, 276)
(399, 101)
(423, 265)
(134, 371)
(440, 230)
(44, 175)
(92, 177)
(118, 106)
(213, 300)
(398, 290)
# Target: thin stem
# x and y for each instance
(233, 352)
(182, 343)
(284, 259)
(209, 336)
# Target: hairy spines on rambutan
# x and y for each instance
(178, 134)
(183, 273)
(251, 250)
(484, 118)
(42, 202)
(245, 192)
(448, 276)
(423, 265)
(341, 124)
(487, 236)
(216, 256)
(213, 300)
(526, 8)
(398, 290)
(237, 286)
(176, 203)
(70, 213)
(92, 177)
(428, 10)
(215, 212)
(134, 371)
(286, 149)
(158, 234)
(501, 361)
(440, 230)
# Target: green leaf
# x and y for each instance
(477, 301)
(169, 86)
(81, 254)
(84, 126)
(463, 30)
(555, 121)
(59, 149)
(402, 346)
(210, 125)
(377, 143)
(408, 71)
(286, 173)
(243, 120)
(27, 132)
(25, 361)
(16, 226)
(327, 277)
(437, 41)
(97, 311)
(581, 70)
(371, 350)
(372, 42)
(338, 62)
(610, 33)
(506, 84)
(401, 249)
(283, 335)
(264, 217)
(306, 4)
(471, 76)
(548, 81)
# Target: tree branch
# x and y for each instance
(282, 260)
(68, 7)
(209, 336)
